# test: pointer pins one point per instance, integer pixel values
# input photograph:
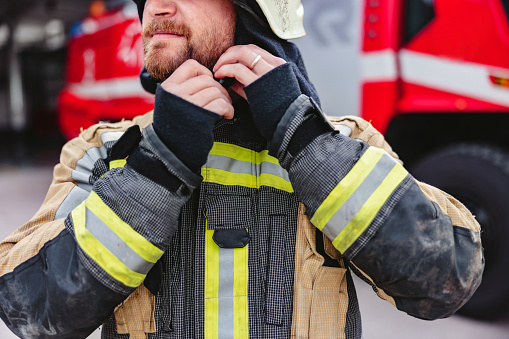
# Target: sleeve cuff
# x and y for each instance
(270, 96)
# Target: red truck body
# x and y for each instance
(435, 81)
(457, 63)
(105, 56)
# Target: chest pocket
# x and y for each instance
(269, 218)
(230, 217)
(278, 220)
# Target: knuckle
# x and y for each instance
(191, 62)
(215, 92)
(222, 107)
(202, 77)
(245, 48)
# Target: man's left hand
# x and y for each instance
(246, 64)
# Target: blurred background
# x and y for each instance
(432, 75)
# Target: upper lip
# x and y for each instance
(165, 32)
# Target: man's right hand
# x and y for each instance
(195, 83)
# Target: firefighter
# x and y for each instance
(235, 209)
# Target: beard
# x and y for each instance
(162, 58)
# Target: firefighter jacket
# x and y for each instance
(181, 225)
(260, 242)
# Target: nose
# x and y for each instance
(160, 9)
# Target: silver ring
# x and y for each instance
(255, 61)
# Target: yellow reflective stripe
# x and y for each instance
(267, 179)
(117, 163)
(240, 301)
(219, 176)
(247, 177)
(370, 209)
(133, 239)
(100, 254)
(211, 286)
(346, 187)
(265, 157)
(236, 298)
(223, 177)
(242, 154)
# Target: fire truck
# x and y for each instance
(105, 56)
(432, 75)
(436, 83)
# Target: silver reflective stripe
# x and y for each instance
(81, 174)
(115, 244)
(225, 293)
(111, 136)
(73, 199)
(238, 166)
(354, 203)
(83, 171)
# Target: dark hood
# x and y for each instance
(253, 28)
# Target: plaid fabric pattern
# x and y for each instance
(228, 212)
(312, 160)
(271, 218)
(156, 224)
(152, 210)
(297, 113)
(353, 326)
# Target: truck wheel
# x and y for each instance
(478, 176)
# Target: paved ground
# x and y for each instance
(22, 190)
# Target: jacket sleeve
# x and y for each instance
(416, 244)
(95, 238)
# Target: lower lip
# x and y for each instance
(165, 36)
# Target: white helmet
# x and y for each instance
(285, 17)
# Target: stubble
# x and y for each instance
(162, 58)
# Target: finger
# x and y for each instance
(208, 95)
(197, 84)
(236, 54)
(221, 107)
(268, 57)
(245, 55)
(238, 71)
(188, 70)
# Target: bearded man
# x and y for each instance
(234, 209)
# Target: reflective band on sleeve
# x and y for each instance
(233, 165)
(117, 163)
(85, 165)
(115, 245)
(226, 281)
(118, 249)
(353, 204)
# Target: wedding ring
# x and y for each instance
(255, 61)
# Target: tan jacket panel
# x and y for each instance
(320, 293)
(26, 241)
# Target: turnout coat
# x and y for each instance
(260, 244)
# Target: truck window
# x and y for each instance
(418, 13)
(505, 3)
